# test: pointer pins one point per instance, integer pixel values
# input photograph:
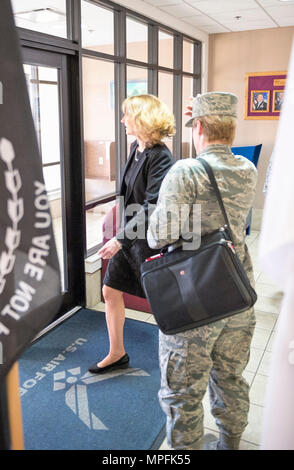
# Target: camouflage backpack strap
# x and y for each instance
(218, 194)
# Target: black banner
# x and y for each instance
(29, 271)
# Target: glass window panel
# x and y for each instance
(186, 131)
(137, 40)
(165, 94)
(165, 88)
(99, 128)
(45, 16)
(52, 177)
(137, 84)
(94, 220)
(49, 119)
(27, 69)
(97, 28)
(188, 56)
(44, 100)
(165, 49)
(48, 74)
(137, 81)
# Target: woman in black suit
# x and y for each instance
(149, 120)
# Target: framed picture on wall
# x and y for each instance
(278, 97)
(264, 93)
(260, 101)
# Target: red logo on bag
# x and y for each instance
(153, 257)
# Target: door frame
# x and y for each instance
(71, 172)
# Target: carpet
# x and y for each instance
(66, 407)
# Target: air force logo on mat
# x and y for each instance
(76, 398)
(66, 407)
(75, 385)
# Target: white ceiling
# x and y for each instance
(220, 16)
(209, 16)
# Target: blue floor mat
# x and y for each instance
(66, 407)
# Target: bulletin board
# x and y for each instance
(264, 93)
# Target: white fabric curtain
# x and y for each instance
(276, 255)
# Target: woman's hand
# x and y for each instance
(110, 249)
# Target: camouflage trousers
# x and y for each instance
(214, 355)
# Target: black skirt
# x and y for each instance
(123, 270)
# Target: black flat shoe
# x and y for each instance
(122, 363)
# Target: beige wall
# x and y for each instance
(231, 56)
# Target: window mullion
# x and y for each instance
(177, 95)
(197, 81)
(153, 59)
(197, 67)
(73, 13)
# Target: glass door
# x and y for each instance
(47, 82)
(43, 86)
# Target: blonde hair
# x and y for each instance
(218, 127)
(152, 118)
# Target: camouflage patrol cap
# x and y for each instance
(213, 102)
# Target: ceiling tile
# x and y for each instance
(273, 3)
(253, 14)
(159, 3)
(250, 24)
(286, 21)
(251, 27)
(180, 11)
(282, 11)
(210, 7)
(200, 20)
(214, 29)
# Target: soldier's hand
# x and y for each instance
(188, 111)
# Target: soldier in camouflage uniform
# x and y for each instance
(215, 354)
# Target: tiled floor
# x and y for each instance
(256, 372)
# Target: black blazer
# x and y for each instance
(143, 187)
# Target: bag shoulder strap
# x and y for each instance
(217, 192)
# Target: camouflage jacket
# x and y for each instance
(187, 183)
